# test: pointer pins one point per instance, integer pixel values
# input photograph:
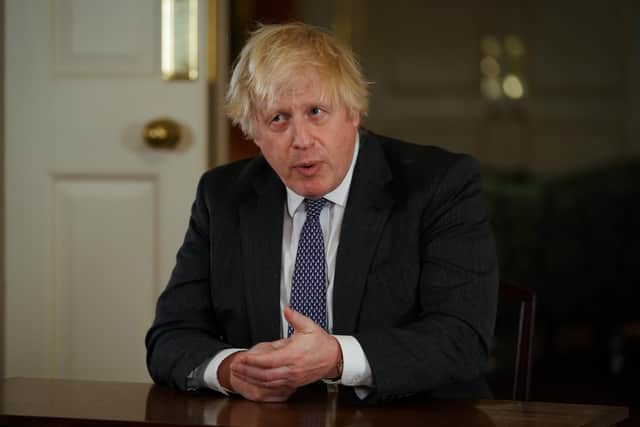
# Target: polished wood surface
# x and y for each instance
(72, 403)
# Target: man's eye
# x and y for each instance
(315, 111)
(277, 118)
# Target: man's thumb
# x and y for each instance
(299, 322)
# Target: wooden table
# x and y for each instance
(27, 402)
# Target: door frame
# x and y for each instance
(2, 194)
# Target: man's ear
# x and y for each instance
(255, 137)
(355, 119)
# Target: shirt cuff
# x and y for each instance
(210, 377)
(356, 371)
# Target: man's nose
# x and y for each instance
(302, 136)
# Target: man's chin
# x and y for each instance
(311, 189)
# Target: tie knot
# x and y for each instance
(314, 207)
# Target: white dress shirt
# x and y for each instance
(356, 369)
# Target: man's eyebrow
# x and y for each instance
(271, 110)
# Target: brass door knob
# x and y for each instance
(162, 134)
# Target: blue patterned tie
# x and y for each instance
(308, 287)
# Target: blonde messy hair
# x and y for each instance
(275, 53)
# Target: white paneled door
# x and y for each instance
(94, 216)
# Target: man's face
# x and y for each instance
(307, 140)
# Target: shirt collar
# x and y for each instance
(337, 196)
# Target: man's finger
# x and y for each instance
(268, 378)
(270, 360)
(266, 347)
(261, 394)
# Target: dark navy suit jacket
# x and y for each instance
(415, 279)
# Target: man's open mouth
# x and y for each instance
(307, 169)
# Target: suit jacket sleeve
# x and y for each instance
(184, 333)
(446, 339)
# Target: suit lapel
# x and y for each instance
(368, 208)
(261, 233)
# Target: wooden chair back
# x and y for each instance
(509, 294)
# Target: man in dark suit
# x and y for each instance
(338, 255)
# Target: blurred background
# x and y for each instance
(546, 94)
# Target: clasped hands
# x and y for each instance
(272, 371)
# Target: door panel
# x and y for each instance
(79, 29)
(97, 318)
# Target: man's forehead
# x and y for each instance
(298, 82)
(296, 96)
